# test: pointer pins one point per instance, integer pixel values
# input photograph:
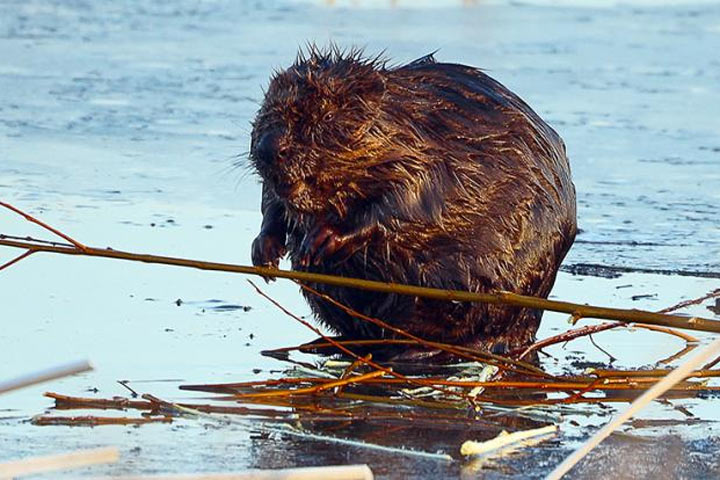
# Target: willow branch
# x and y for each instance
(492, 297)
(93, 421)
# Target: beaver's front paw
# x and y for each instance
(324, 243)
(267, 250)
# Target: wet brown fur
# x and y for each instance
(430, 174)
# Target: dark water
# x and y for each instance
(120, 123)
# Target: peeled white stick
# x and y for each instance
(667, 382)
(341, 472)
(63, 461)
(504, 439)
(45, 375)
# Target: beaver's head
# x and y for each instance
(317, 135)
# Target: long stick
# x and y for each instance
(677, 375)
(495, 297)
(45, 375)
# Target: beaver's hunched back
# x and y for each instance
(429, 174)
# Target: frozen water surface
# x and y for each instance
(121, 121)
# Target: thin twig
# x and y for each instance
(589, 330)
(315, 389)
(695, 301)
(44, 225)
(610, 356)
(689, 347)
(349, 370)
(287, 429)
(669, 331)
(564, 337)
(28, 238)
(15, 260)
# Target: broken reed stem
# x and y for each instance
(493, 297)
(45, 375)
(63, 461)
(339, 472)
(504, 439)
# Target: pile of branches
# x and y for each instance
(479, 394)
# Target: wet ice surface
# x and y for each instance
(120, 123)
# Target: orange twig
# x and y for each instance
(581, 332)
(44, 225)
(670, 331)
(314, 389)
(23, 255)
(349, 370)
(694, 301)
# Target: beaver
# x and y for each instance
(430, 174)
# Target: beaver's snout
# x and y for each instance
(267, 148)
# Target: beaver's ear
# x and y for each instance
(426, 60)
(375, 83)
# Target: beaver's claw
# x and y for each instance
(322, 243)
(267, 250)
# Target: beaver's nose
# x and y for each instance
(267, 148)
